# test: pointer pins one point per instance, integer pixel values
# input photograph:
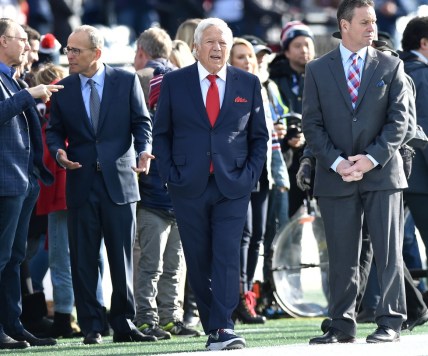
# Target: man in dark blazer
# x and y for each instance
(415, 58)
(359, 170)
(21, 165)
(101, 188)
(210, 170)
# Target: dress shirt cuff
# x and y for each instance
(370, 157)
(336, 163)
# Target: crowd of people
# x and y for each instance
(182, 171)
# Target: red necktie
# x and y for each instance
(213, 99)
(212, 104)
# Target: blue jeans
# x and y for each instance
(411, 253)
(59, 262)
(15, 213)
(253, 235)
(277, 217)
(39, 263)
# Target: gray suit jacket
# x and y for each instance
(377, 126)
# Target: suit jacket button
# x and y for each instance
(354, 119)
(208, 153)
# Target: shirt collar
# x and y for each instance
(98, 77)
(9, 71)
(420, 56)
(346, 53)
(203, 72)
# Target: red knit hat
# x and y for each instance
(49, 44)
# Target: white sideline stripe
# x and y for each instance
(410, 345)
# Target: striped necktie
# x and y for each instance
(94, 105)
(353, 78)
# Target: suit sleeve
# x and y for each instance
(315, 133)
(258, 135)
(140, 119)
(396, 124)
(55, 130)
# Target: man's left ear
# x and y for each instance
(344, 25)
(424, 43)
(97, 53)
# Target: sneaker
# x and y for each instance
(154, 330)
(224, 339)
(177, 328)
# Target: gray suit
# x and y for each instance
(377, 126)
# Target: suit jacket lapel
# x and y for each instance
(370, 66)
(108, 94)
(336, 68)
(194, 88)
(230, 92)
(75, 87)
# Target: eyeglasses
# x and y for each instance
(75, 51)
(22, 39)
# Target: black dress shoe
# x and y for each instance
(93, 338)
(32, 340)
(325, 325)
(332, 336)
(412, 323)
(133, 336)
(383, 334)
(6, 342)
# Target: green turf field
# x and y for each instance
(273, 333)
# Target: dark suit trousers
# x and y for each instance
(99, 217)
(211, 229)
(343, 216)
(414, 301)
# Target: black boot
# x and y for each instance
(106, 326)
(61, 326)
(245, 311)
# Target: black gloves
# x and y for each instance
(304, 174)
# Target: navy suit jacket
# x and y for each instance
(16, 130)
(124, 123)
(184, 142)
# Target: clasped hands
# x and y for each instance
(354, 168)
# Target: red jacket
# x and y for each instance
(51, 198)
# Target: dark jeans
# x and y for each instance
(252, 237)
(15, 213)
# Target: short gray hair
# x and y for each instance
(155, 42)
(5, 24)
(95, 36)
(213, 21)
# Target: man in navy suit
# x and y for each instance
(210, 167)
(21, 164)
(104, 132)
